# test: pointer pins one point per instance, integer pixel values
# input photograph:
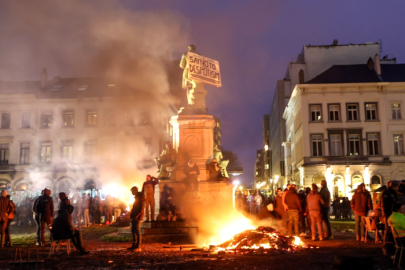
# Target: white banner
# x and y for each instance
(203, 69)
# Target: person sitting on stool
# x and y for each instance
(63, 228)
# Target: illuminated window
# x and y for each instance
(398, 144)
(315, 112)
(396, 111)
(354, 144)
(92, 118)
(67, 150)
(68, 118)
(45, 154)
(371, 111)
(46, 120)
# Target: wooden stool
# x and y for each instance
(18, 257)
(55, 246)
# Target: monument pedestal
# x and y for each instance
(193, 140)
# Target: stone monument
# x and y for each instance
(193, 130)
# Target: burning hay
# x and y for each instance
(261, 240)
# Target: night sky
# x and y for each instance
(254, 41)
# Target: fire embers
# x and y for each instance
(263, 240)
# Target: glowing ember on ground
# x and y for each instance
(264, 239)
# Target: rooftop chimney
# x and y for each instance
(44, 78)
(377, 65)
(370, 64)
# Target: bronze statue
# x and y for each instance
(167, 158)
(195, 89)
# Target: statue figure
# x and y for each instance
(217, 167)
(195, 89)
(167, 159)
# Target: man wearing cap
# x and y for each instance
(136, 216)
(148, 189)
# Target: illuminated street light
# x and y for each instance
(236, 182)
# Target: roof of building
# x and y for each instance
(360, 74)
(68, 88)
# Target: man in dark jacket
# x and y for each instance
(325, 194)
(303, 199)
(148, 189)
(192, 172)
(314, 208)
(36, 217)
(64, 229)
(10, 217)
(5, 210)
(293, 208)
(389, 197)
(361, 204)
(44, 209)
(137, 214)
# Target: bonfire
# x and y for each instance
(260, 240)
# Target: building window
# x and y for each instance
(354, 144)
(334, 112)
(4, 153)
(373, 144)
(24, 153)
(91, 118)
(335, 145)
(45, 155)
(316, 141)
(371, 111)
(5, 120)
(109, 117)
(352, 112)
(316, 112)
(46, 120)
(90, 148)
(26, 120)
(398, 144)
(67, 150)
(396, 111)
(68, 118)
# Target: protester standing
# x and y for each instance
(45, 211)
(86, 207)
(279, 210)
(137, 214)
(10, 217)
(325, 194)
(148, 189)
(36, 217)
(314, 209)
(361, 204)
(5, 210)
(293, 208)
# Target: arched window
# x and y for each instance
(356, 180)
(375, 182)
(318, 179)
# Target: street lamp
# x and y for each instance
(235, 185)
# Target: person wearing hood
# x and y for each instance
(314, 208)
(137, 214)
(361, 204)
(388, 198)
(64, 229)
(44, 208)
